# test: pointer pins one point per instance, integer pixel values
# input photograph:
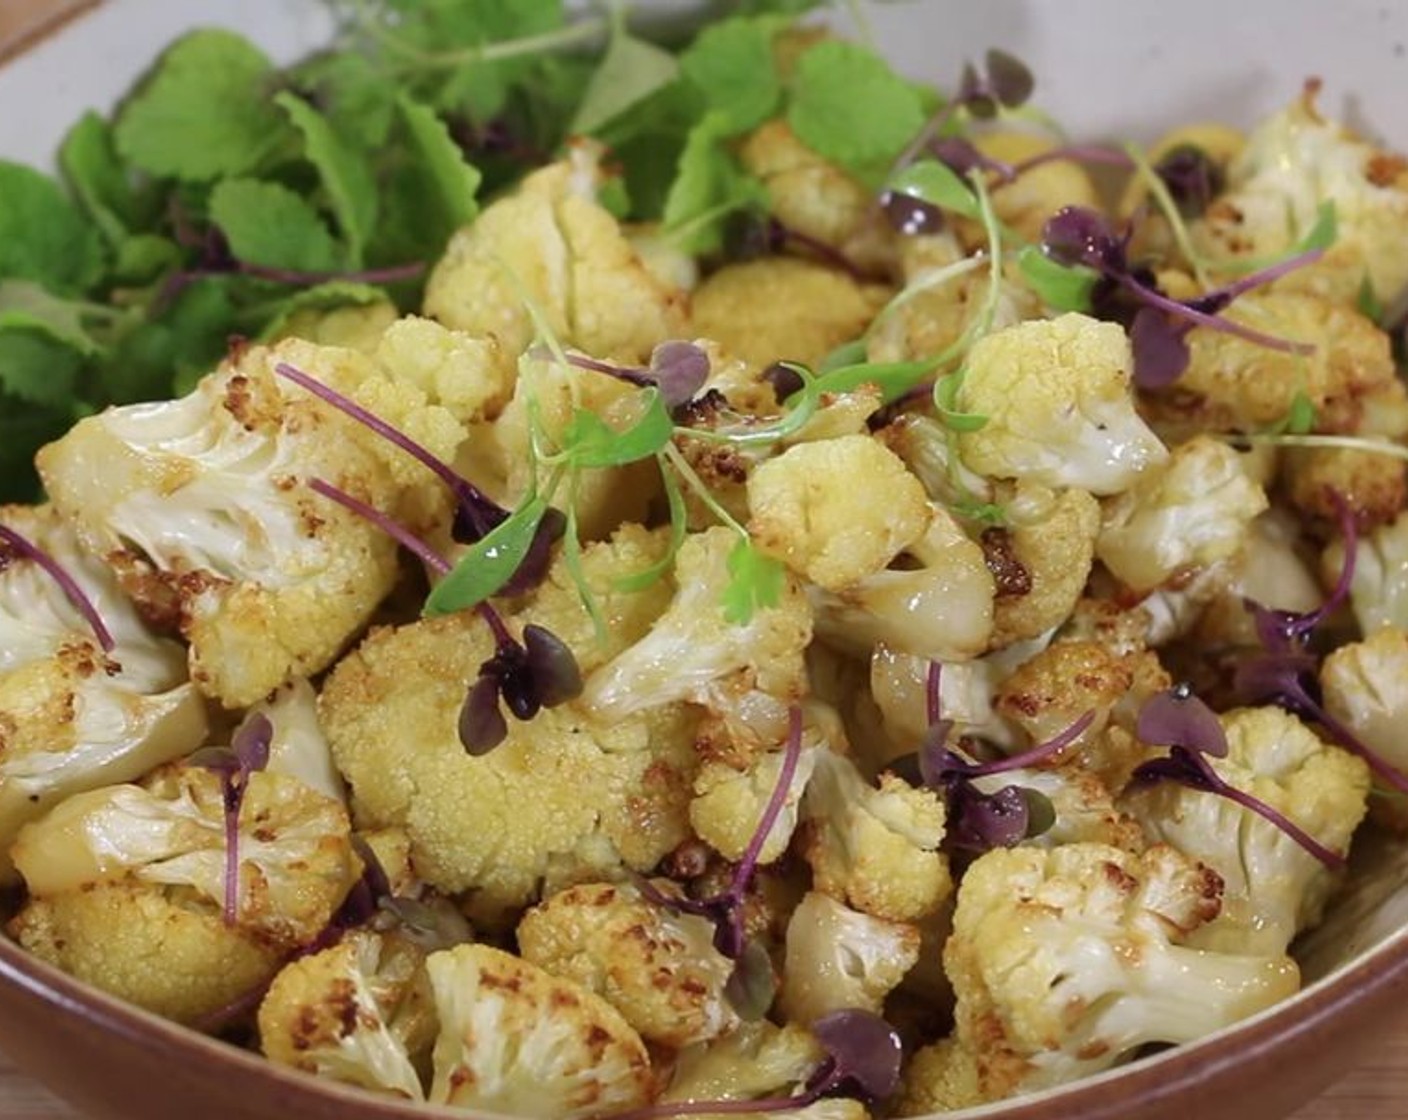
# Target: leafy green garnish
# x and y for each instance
(43, 236)
(848, 105)
(709, 187)
(1062, 287)
(267, 224)
(937, 184)
(346, 177)
(732, 66)
(946, 391)
(588, 441)
(755, 582)
(1368, 302)
(631, 71)
(489, 563)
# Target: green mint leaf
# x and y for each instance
(346, 177)
(267, 224)
(38, 368)
(937, 184)
(24, 304)
(709, 187)
(1323, 233)
(90, 165)
(849, 106)
(450, 182)
(487, 564)
(588, 441)
(328, 296)
(204, 111)
(894, 379)
(1058, 286)
(731, 64)
(630, 72)
(755, 583)
(43, 237)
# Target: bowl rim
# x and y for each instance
(1151, 1080)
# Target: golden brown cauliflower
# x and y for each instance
(658, 968)
(1364, 688)
(552, 243)
(517, 1041)
(814, 508)
(202, 508)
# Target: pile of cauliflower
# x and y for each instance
(1081, 548)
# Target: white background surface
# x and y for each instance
(1106, 68)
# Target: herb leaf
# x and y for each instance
(1062, 287)
(588, 441)
(345, 175)
(937, 184)
(204, 112)
(755, 582)
(268, 224)
(848, 105)
(709, 186)
(489, 563)
(43, 237)
(629, 73)
(731, 64)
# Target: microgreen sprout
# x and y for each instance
(863, 1058)
(1076, 237)
(979, 821)
(750, 986)
(678, 369)
(1283, 671)
(247, 753)
(1177, 719)
(538, 672)
(12, 542)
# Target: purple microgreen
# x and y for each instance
(962, 157)
(1160, 346)
(1192, 178)
(756, 235)
(951, 766)
(678, 369)
(1177, 717)
(1285, 631)
(476, 514)
(784, 379)
(482, 726)
(247, 754)
(1076, 235)
(725, 910)
(533, 568)
(1189, 767)
(1009, 78)
(912, 216)
(979, 822)
(1077, 153)
(554, 669)
(432, 925)
(538, 672)
(23, 546)
(388, 525)
(752, 985)
(933, 692)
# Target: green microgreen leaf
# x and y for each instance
(96, 176)
(937, 184)
(29, 306)
(38, 368)
(43, 237)
(709, 187)
(270, 225)
(572, 561)
(847, 354)
(357, 97)
(946, 391)
(732, 65)
(849, 106)
(487, 564)
(327, 296)
(1060, 287)
(346, 177)
(893, 379)
(204, 111)
(1368, 302)
(755, 582)
(630, 72)
(1323, 233)
(801, 407)
(588, 441)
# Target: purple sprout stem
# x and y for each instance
(234, 786)
(392, 528)
(1036, 754)
(827, 253)
(1266, 275)
(67, 584)
(791, 752)
(630, 375)
(933, 677)
(392, 274)
(1351, 742)
(461, 487)
(1180, 310)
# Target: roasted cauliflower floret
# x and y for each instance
(938, 604)
(517, 1041)
(1292, 163)
(941, 1077)
(564, 798)
(1064, 962)
(203, 509)
(837, 958)
(693, 652)
(814, 508)
(1365, 686)
(297, 745)
(1378, 590)
(552, 243)
(359, 1012)
(73, 717)
(295, 858)
(783, 308)
(729, 801)
(1274, 887)
(1192, 514)
(875, 849)
(147, 947)
(759, 1059)
(472, 378)
(657, 967)
(1031, 198)
(1041, 560)
(1059, 407)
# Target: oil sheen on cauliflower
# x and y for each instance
(73, 718)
